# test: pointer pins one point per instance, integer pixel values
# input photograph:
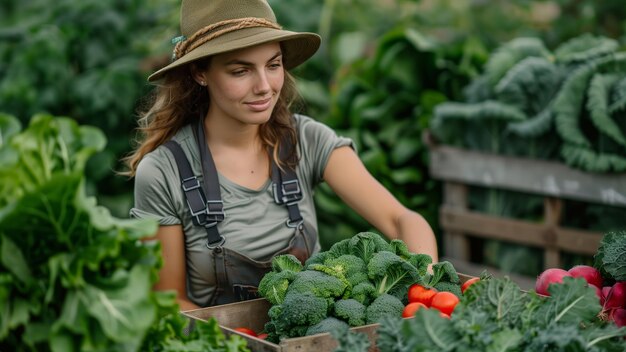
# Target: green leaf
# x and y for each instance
(584, 48)
(597, 104)
(569, 303)
(9, 126)
(407, 175)
(123, 313)
(13, 259)
(430, 332)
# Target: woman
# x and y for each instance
(234, 186)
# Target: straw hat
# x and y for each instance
(212, 27)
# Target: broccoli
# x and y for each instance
(450, 287)
(364, 292)
(317, 258)
(273, 285)
(444, 271)
(444, 278)
(351, 311)
(353, 267)
(391, 274)
(421, 262)
(400, 248)
(339, 248)
(317, 283)
(297, 312)
(384, 305)
(365, 244)
(327, 325)
(286, 262)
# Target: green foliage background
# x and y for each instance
(382, 69)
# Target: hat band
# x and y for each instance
(215, 30)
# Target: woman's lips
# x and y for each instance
(260, 105)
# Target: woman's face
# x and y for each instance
(244, 85)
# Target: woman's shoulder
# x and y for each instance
(160, 155)
(308, 127)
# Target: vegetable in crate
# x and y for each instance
(359, 280)
(496, 315)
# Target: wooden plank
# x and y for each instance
(526, 175)
(518, 231)
(552, 209)
(455, 244)
(525, 282)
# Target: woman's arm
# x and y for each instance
(348, 177)
(172, 275)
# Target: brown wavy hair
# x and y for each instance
(179, 100)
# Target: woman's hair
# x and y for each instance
(179, 100)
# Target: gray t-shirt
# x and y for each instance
(254, 224)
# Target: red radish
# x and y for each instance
(614, 296)
(547, 277)
(589, 273)
(619, 317)
(598, 293)
(605, 292)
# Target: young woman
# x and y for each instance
(222, 108)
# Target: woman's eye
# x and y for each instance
(238, 72)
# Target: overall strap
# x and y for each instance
(211, 186)
(201, 213)
(287, 188)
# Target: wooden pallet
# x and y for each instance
(460, 169)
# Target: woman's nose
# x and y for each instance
(262, 84)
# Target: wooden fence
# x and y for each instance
(460, 169)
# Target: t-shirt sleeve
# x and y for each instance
(317, 143)
(153, 193)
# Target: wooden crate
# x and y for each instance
(460, 169)
(253, 314)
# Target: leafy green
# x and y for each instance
(73, 277)
(610, 258)
(495, 315)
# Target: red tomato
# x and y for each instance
(419, 293)
(262, 336)
(444, 302)
(411, 308)
(246, 331)
(468, 283)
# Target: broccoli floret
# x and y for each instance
(364, 292)
(391, 274)
(450, 287)
(317, 258)
(318, 283)
(384, 305)
(273, 285)
(365, 244)
(351, 311)
(353, 267)
(297, 312)
(327, 325)
(286, 262)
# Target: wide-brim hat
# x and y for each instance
(210, 27)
